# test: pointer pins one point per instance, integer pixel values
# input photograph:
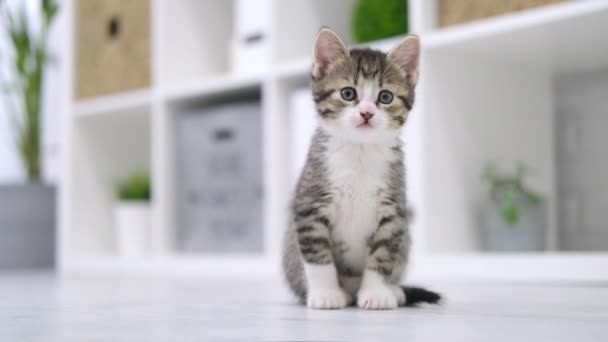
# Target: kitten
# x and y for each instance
(348, 238)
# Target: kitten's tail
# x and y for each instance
(417, 295)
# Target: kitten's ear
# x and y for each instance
(407, 55)
(328, 48)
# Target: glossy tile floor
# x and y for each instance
(41, 307)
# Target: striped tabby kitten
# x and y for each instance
(348, 238)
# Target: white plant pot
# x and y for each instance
(132, 219)
(527, 235)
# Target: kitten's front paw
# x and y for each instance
(326, 299)
(399, 294)
(379, 297)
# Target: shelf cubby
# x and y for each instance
(299, 21)
(105, 150)
(194, 40)
(197, 100)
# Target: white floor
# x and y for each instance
(41, 307)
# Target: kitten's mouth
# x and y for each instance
(365, 125)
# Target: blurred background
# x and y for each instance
(165, 137)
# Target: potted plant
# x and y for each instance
(27, 211)
(132, 215)
(374, 20)
(514, 215)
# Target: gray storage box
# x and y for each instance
(219, 177)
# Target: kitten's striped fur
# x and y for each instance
(348, 238)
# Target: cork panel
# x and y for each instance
(112, 46)
(453, 12)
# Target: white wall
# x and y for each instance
(54, 104)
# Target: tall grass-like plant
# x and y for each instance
(28, 59)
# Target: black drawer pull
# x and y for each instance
(223, 134)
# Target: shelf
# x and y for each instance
(128, 102)
(299, 68)
(254, 266)
(213, 87)
(559, 37)
(526, 267)
(541, 266)
(294, 69)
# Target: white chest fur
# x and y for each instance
(357, 173)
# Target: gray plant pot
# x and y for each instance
(528, 234)
(27, 226)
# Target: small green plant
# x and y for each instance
(28, 58)
(136, 187)
(374, 19)
(506, 188)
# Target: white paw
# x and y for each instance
(379, 297)
(326, 299)
(399, 294)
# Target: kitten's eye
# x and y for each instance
(385, 97)
(348, 93)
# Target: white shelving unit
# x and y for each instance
(487, 94)
(498, 70)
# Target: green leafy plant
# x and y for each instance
(506, 188)
(136, 187)
(28, 58)
(375, 19)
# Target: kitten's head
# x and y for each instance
(363, 95)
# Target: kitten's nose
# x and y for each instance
(366, 116)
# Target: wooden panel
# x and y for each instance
(453, 12)
(112, 46)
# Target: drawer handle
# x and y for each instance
(223, 134)
(254, 38)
